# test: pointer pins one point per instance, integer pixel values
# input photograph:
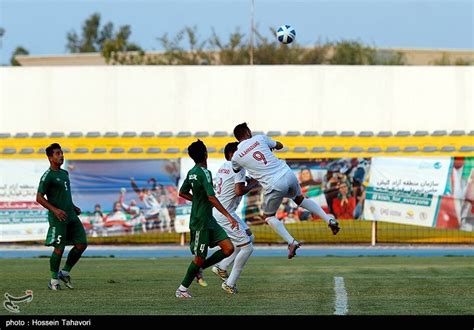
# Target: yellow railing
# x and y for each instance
(337, 146)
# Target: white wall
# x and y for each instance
(195, 98)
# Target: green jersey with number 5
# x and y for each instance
(56, 186)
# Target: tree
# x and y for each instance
(89, 41)
(93, 39)
(353, 52)
(176, 54)
(117, 49)
(18, 51)
(235, 51)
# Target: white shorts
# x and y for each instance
(238, 237)
(287, 186)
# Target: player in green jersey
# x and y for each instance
(205, 232)
(65, 227)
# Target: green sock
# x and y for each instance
(214, 259)
(54, 262)
(193, 269)
(72, 258)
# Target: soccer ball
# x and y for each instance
(286, 34)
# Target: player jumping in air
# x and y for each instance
(254, 153)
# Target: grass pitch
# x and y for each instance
(268, 285)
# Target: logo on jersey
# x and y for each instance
(193, 177)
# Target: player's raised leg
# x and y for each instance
(314, 208)
(271, 203)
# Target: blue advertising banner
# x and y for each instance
(121, 196)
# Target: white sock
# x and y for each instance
(280, 229)
(314, 208)
(240, 261)
(182, 288)
(225, 263)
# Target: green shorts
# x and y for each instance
(62, 233)
(201, 240)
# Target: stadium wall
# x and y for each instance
(200, 98)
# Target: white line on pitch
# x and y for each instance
(341, 307)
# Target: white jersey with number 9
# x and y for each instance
(255, 156)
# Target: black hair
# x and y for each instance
(240, 130)
(51, 148)
(197, 151)
(230, 148)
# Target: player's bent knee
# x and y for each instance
(81, 247)
(228, 250)
(58, 251)
(198, 261)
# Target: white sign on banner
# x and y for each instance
(406, 190)
(21, 218)
(181, 222)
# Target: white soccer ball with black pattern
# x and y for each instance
(286, 34)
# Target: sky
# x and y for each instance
(41, 26)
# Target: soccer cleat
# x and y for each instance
(183, 294)
(66, 279)
(229, 289)
(292, 248)
(200, 279)
(334, 226)
(54, 285)
(220, 272)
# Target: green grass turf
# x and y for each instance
(269, 285)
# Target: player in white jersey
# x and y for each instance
(230, 187)
(278, 181)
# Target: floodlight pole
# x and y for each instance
(2, 32)
(252, 29)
